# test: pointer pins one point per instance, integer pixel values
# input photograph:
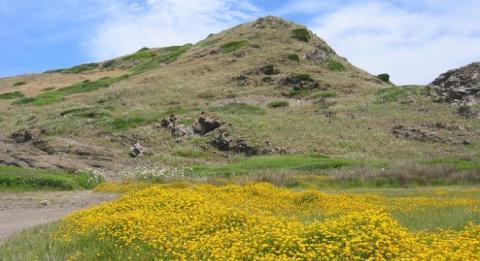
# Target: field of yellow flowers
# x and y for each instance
(263, 222)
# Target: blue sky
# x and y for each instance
(414, 41)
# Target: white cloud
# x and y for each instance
(155, 23)
(412, 43)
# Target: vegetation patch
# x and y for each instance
(278, 104)
(142, 54)
(51, 97)
(11, 95)
(165, 56)
(393, 94)
(294, 57)
(325, 94)
(14, 178)
(301, 34)
(87, 112)
(233, 46)
(20, 83)
(272, 163)
(240, 108)
(48, 89)
(335, 66)
(81, 68)
(460, 164)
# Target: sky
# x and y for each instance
(413, 41)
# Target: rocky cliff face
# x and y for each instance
(460, 86)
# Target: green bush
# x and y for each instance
(127, 122)
(278, 104)
(19, 84)
(14, 178)
(294, 57)
(11, 95)
(384, 77)
(301, 34)
(336, 66)
(233, 46)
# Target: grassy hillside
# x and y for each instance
(271, 81)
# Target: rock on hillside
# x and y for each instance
(460, 86)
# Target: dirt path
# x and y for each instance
(19, 211)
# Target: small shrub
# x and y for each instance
(233, 46)
(294, 57)
(19, 84)
(11, 95)
(384, 77)
(303, 77)
(128, 122)
(301, 34)
(278, 104)
(335, 66)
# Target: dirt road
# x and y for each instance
(19, 211)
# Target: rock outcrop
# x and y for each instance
(460, 86)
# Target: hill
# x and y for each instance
(266, 87)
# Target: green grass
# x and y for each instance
(23, 179)
(127, 122)
(247, 166)
(20, 83)
(455, 217)
(393, 94)
(301, 34)
(11, 95)
(233, 46)
(167, 55)
(460, 164)
(55, 96)
(294, 57)
(335, 66)
(278, 104)
(240, 109)
(81, 68)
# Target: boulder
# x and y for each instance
(205, 124)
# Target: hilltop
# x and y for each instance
(266, 87)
